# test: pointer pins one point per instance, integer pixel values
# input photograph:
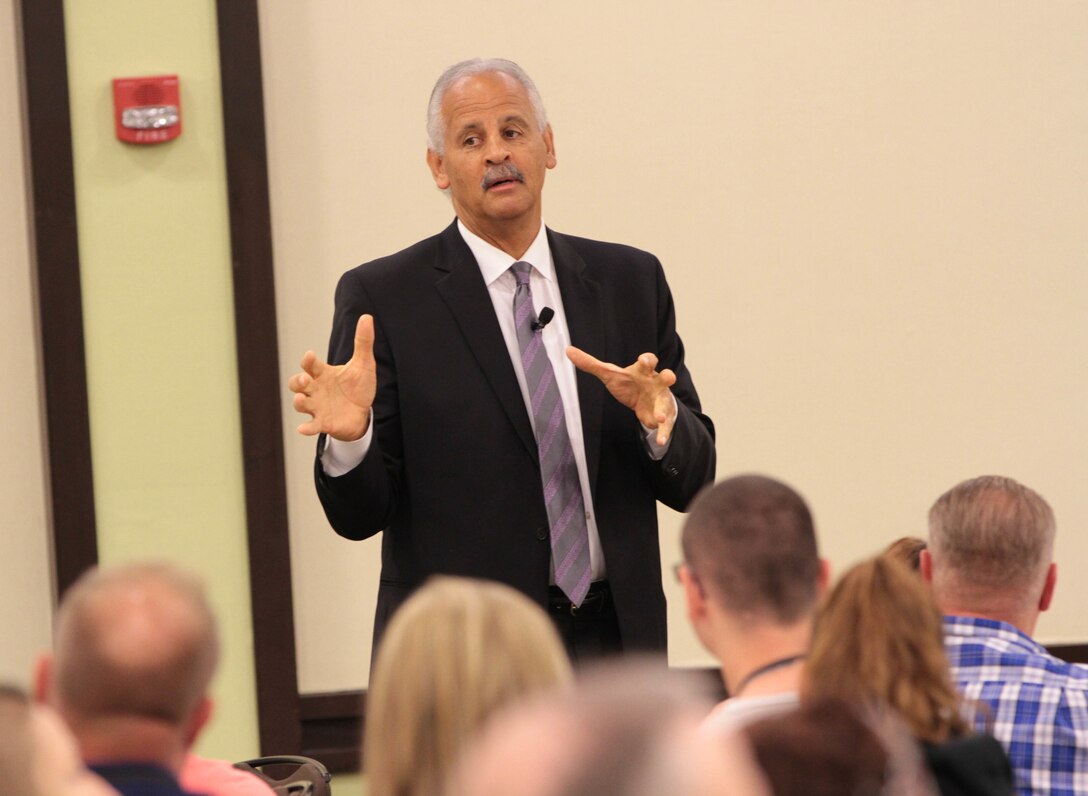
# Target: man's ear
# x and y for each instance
(549, 143)
(437, 164)
(1048, 587)
(43, 677)
(823, 579)
(200, 717)
(925, 566)
(694, 595)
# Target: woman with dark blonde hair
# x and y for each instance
(877, 642)
(455, 652)
(907, 549)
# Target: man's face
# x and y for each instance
(495, 155)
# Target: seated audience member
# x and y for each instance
(135, 648)
(828, 748)
(629, 728)
(752, 578)
(876, 644)
(454, 652)
(907, 550)
(38, 756)
(990, 563)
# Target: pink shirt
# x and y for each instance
(220, 778)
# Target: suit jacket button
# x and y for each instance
(542, 533)
(672, 471)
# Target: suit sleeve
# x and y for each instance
(690, 461)
(360, 503)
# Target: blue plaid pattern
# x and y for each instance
(1036, 705)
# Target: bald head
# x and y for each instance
(138, 641)
(751, 542)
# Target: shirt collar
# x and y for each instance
(495, 262)
(977, 626)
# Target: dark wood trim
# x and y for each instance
(1070, 653)
(332, 726)
(258, 377)
(60, 298)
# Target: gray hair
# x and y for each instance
(436, 123)
(992, 532)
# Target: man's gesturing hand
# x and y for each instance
(338, 397)
(639, 387)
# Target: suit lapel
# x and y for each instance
(462, 287)
(582, 304)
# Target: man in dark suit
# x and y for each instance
(495, 451)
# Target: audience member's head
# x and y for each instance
(454, 653)
(751, 574)
(135, 648)
(908, 550)
(827, 748)
(38, 756)
(991, 547)
(877, 642)
(630, 728)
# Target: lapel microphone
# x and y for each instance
(545, 317)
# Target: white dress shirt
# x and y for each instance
(339, 457)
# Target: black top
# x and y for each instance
(974, 765)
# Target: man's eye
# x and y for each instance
(472, 140)
(512, 133)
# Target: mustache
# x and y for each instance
(501, 172)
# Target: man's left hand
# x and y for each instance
(639, 387)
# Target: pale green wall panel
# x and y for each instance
(159, 325)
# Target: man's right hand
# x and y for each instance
(338, 397)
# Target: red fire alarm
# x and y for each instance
(147, 110)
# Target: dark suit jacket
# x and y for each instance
(453, 474)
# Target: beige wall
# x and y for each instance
(25, 568)
(872, 218)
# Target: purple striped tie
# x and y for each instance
(558, 472)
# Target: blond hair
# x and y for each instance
(878, 641)
(992, 533)
(457, 650)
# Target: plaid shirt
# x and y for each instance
(1038, 704)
